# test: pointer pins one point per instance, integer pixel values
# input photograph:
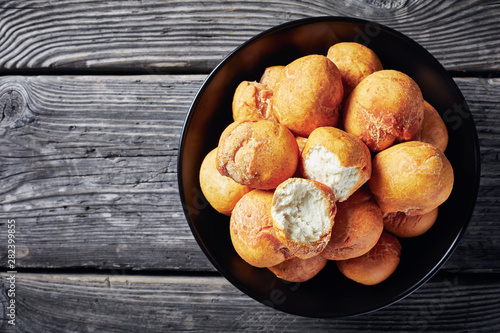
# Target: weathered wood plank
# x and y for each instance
(85, 159)
(159, 36)
(100, 303)
(483, 99)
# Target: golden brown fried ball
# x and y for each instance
(220, 191)
(260, 154)
(354, 61)
(308, 94)
(411, 177)
(252, 233)
(386, 107)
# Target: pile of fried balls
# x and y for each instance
(329, 158)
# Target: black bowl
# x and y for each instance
(329, 294)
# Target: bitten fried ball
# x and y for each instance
(385, 107)
(252, 101)
(433, 128)
(354, 61)
(252, 232)
(376, 265)
(337, 159)
(260, 154)
(357, 228)
(308, 94)
(303, 214)
(405, 226)
(411, 177)
(220, 191)
(299, 270)
(271, 76)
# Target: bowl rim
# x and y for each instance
(289, 25)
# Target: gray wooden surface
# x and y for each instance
(93, 95)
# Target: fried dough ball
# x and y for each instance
(376, 265)
(252, 233)
(433, 128)
(405, 226)
(308, 94)
(252, 101)
(299, 270)
(337, 159)
(354, 61)
(357, 228)
(386, 107)
(303, 215)
(220, 191)
(260, 154)
(411, 177)
(271, 76)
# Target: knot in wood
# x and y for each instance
(12, 106)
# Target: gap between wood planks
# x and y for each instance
(118, 271)
(118, 71)
(115, 71)
(465, 278)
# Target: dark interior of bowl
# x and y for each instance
(329, 294)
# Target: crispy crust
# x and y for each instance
(354, 61)
(358, 226)
(252, 233)
(252, 101)
(299, 270)
(376, 265)
(260, 154)
(271, 76)
(411, 177)
(221, 192)
(405, 226)
(433, 128)
(385, 107)
(308, 95)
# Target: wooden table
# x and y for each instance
(93, 95)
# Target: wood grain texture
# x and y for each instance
(191, 36)
(482, 97)
(88, 165)
(87, 158)
(100, 303)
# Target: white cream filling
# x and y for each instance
(302, 211)
(324, 166)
